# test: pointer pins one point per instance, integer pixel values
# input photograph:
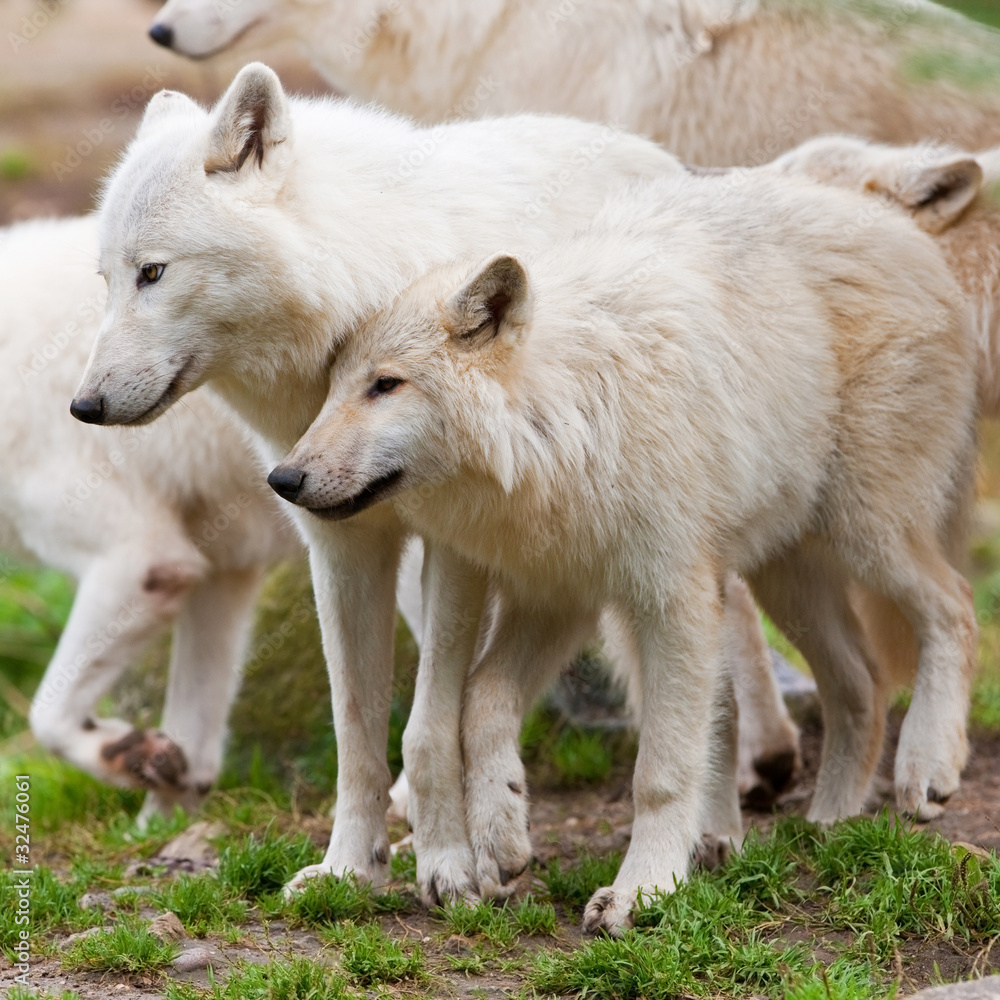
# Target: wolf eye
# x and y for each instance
(384, 385)
(149, 274)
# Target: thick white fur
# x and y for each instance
(162, 526)
(684, 389)
(719, 82)
(282, 224)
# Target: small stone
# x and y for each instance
(975, 989)
(192, 959)
(191, 850)
(96, 901)
(167, 927)
(80, 935)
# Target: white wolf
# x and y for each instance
(164, 525)
(684, 389)
(240, 247)
(719, 82)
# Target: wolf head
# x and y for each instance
(200, 28)
(416, 393)
(194, 273)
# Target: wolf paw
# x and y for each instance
(446, 877)
(373, 872)
(610, 910)
(498, 829)
(145, 759)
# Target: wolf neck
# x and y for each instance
(406, 49)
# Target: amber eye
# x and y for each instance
(384, 385)
(149, 274)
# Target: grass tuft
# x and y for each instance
(254, 866)
(201, 904)
(370, 957)
(126, 947)
(280, 979)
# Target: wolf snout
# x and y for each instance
(163, 35)
(89, 409)
(287, 482)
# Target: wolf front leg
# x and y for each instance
(454, 594)
(354, 567)
(527, 647)
(209, 646)
(679, 658)
(124, 599)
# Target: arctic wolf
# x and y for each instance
(719, 82)
(685, 388)
(161, 526)
(240, 246)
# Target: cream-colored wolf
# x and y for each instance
(684, 389)
(718, 82)
(240, 246)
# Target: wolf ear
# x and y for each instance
(165, 104)
(249, 121)
(937, 196)
(496, 300)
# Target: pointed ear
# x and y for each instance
(249, 121)
(495, 301)
(937, 196)
(166, 104)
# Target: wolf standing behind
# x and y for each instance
(681, 390)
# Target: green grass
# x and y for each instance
(20, 993)
(200, 903)
(256, 865)
(370, 958)
(279, 979)
(327, 900)
(127, 947)
(499, 925)
(582, 757)
(717, 934)
(575, 885)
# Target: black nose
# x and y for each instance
(162, 35)
(89, 409)
(286, 482)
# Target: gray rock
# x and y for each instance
(96, 901)
(167, 927)
(975, 989)
(193, 959)
(799, 691)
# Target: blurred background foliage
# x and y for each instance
(282, 740)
